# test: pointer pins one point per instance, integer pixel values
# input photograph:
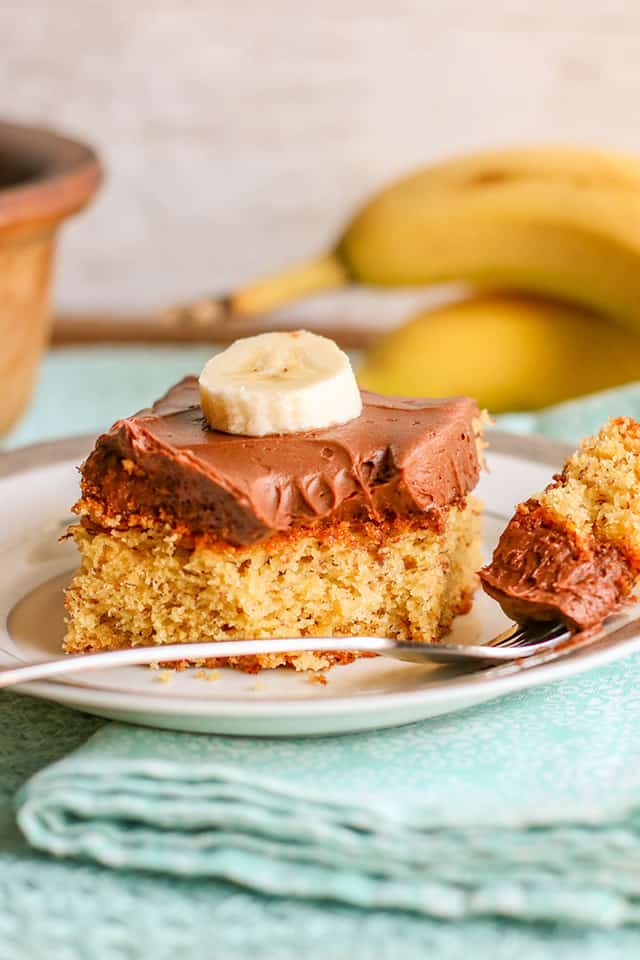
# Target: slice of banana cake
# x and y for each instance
(572, 552)
(285, 522)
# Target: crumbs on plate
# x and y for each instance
(210, 675)
(164, 676)
(317, 678)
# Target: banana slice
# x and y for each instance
(279, 383)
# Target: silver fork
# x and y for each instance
(513, 644)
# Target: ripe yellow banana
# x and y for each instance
(510, 352)
(561, 222)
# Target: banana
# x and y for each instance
(562, 222)
(510, 352)
(279, 383)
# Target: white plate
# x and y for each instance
(37, 486)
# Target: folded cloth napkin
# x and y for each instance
(528, 809)
(525, 808)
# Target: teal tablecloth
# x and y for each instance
(526, 807)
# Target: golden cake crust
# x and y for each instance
(140, 586)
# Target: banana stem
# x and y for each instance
(325, 272)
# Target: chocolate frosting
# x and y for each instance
(398, 458)
(541, 571)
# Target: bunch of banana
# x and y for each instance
(557, 223)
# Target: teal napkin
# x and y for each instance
(508, 830)
(86, 390)
(575, 418)
(80, 910)
(526, 809)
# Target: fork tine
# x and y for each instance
(510, 636)
(531, 634)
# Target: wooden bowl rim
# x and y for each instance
(66, 175)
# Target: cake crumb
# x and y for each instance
(154, 665)
(210, 675)
(165, 676)
(317, 678)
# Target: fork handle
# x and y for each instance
(171, 652)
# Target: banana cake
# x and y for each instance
(572, 553)
(190, 533)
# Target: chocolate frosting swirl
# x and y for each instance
(541, 571)
(398, 458)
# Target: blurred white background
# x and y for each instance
(237, 136)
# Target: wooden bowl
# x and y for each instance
(44, 178)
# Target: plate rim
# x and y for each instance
(493, 681)
(494, 686)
